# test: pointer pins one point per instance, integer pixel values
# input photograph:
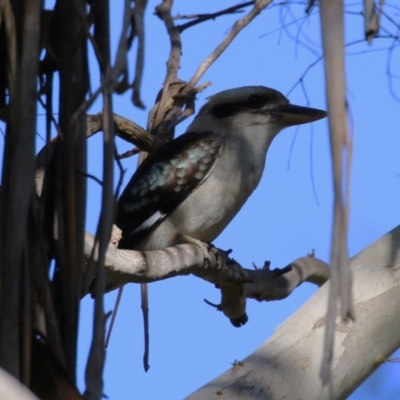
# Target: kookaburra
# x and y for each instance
(189, 189)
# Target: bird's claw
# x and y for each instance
(206, 249)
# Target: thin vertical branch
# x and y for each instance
(26, 320)
(95, 365)
(332, 22)
(114, 315)
(11, 35)
(145, 310)
(371, 20)
(164, 13)
(70, 158)
(121, 63)
(138, 15)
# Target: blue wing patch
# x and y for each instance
(163, 181)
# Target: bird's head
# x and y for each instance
(252, 107)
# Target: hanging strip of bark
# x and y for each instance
(70, 183)
(95, 364)
(332, 23)
(18, 172)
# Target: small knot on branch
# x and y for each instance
(239, 322)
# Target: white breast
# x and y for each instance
(210, 208)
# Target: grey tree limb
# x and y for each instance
(12, 389)
(237, 284)
(287, 365)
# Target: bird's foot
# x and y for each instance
(217, 255)
(206, 249)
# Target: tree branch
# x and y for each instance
(287, 365)
(239, 26)
(176, 94)
(198, 19)
(126, 130)
(138, 16)
(163, 11)
(236, 283)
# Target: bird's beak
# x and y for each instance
(289, 114)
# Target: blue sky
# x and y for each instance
(288, 215)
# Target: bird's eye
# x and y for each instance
(254, 101)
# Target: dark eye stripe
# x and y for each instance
(222, 105)
(253, 102)
(226, 110)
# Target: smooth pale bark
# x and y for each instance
(12, 389)
(287, 365)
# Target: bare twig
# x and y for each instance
(80, 11)
(198, 19)
(145, 310)
(125, 129)
(114, 315)
(167, 111)
(128, 153)
(371, 20)
(163, 11)
(85, 105)
(138, 15)
(96, 359)
(121, 63)
(237, 27)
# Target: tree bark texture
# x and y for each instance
(287, 365)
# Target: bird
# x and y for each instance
(189, 189)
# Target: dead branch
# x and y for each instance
(259, 5)
(176, 94)
(138, 16)
(371, 20)
(235, 282)
(198, 19)
(121, 60)
(126, 130)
